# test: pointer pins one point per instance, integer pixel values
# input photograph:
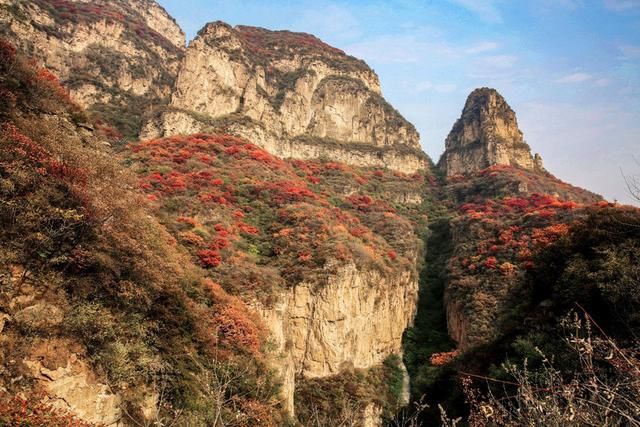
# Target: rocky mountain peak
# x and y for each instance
(117, 57)
(486, 134)
(290, 93)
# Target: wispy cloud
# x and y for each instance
(552, 5)
(574, 78)
(621, 5)
(335, 20)
(401, 48)
(630, 51)
(482, 47)
(425, 86)
(486, 10)
(499, 61)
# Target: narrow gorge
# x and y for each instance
(241, 231)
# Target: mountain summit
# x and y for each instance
(486, 134)
(292, 94)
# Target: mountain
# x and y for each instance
(117, 58)
(289, 93)
(486, 134)
(267, 244)
(317, 259)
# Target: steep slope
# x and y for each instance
(325, 252)
(486, 134)
(500, 212)
(289, 93)
(102, 314)
(117, 58)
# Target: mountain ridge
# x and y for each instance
(293, 206)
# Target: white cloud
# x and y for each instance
(486, 10)
(482, 47)
(426, 85)
(603, 82)
(630, 51)
(621, 5)
(333, 21)
(574, 78)
(412, 47)
(499, 61)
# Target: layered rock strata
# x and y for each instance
(486, 134)
(117, 58)
(289, 93)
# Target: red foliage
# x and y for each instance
(441, 359)
(491, 262)
(34, 412)
(235, 328)
(69, 11)
(40, 158)
(268, 43)
(209, 257)
(246, 228)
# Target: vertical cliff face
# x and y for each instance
(486, 134)
(117, 58)
(291, 94)
(354, 320)
(287, 92)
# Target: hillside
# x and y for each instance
(273, 233)
(117, 58)
(290, 94)
(243, 232)
(510, 254)
(102, 311)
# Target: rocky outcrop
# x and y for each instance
(486, 134)
(74, 388)
(354, 320)
(289, 93)
(117, 58)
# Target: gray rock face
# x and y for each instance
(486, 134)
(116, 57)
(289, 93)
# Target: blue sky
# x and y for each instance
(569, 68)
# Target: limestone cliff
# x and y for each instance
(354, 320)
(486, 134)
(116, 57)
(291, 94)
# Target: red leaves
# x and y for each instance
(65, 11)
(246, 228)
(236, 329)
(304, 256)
(362, 203)
(34, 411)
(392, 255)
(284, 192)
(31, 152)
(546, 236)
(441, 359)
(358, 231)
(267, 43)
(491, 262)
(209, 258)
